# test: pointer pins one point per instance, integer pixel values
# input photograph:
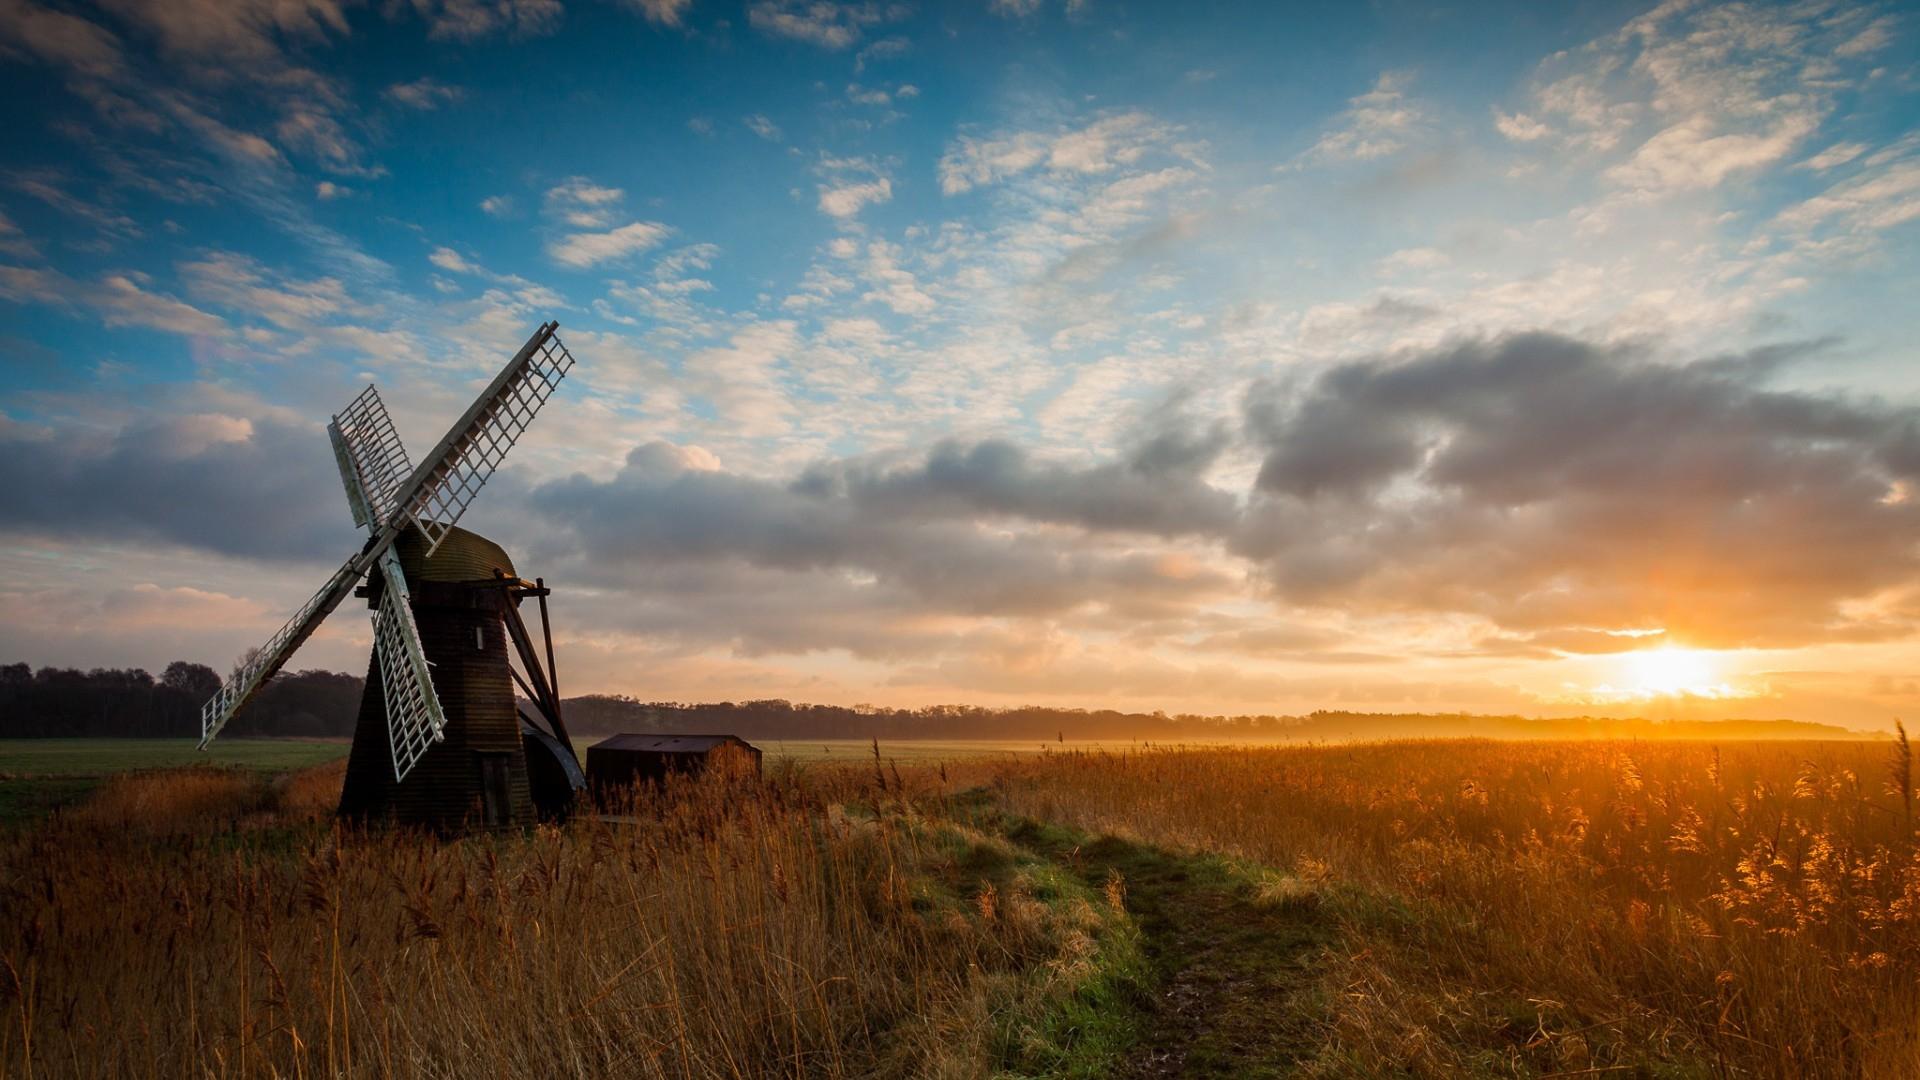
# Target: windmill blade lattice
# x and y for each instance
(414, 718)
(260, 665)
(364, 434)
(470, 453)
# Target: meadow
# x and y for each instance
(1429, 909)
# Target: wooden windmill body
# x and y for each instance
(441, 740)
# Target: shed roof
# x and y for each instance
(667, 744)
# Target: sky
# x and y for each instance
(1516, 358)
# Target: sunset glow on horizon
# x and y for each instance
(1502, 359)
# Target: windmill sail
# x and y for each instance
(433, 497)
(461, 465)
(373, 463)
(372, 459)
(414, 719)
(261, 663)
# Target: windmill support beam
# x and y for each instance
(541, 693)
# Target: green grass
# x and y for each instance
(101, 757)
(40, 775)
(1217, 974)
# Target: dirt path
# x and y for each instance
(1235, 993)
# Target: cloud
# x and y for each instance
(911, 536)
(1422, 258)
(1833, 156)
(1519, 126)
(583, 203)
(1690, 155)
(591, 248)
(763, 127)
(847, 200)
(1374, 125)
(470, 20)
(244, 31)
(122, 299)
(1543, 482)
(449, 259)
(496, 205)
(425, 94)
(60, 39)
(209, 481)
(327, 191)
(885, 49)
(241, 284)
(1881, 196)
(1098, 147)
(818, 22)
(662, 12)
(1699, 93)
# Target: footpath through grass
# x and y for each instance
(1222, 978)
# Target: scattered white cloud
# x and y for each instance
(1833, 156)
(327, 191)
(819, 22)
(763, 127)
(591, 248)
(1375, 124)
(1014, 9)
(1690, 155)
(425, 94)
(583, 203)
(1519, 126)
(449, 259)
(1098, 147)
(496, 205)
(1406, 259)
(885, 49)
(847, 200)
(663, 12)
(470, 20)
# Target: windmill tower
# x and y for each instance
(440, 740)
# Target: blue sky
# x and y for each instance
(1224, 358)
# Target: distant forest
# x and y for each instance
(130, 702)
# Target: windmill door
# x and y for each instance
(496, 800)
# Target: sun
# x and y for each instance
(1672, 671)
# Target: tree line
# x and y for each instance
(130, 702)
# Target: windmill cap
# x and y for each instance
(462, 556)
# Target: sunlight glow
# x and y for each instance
(1668, 670)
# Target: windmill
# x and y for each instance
(440, 739)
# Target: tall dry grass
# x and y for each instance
(207, 923)
(1525, 908)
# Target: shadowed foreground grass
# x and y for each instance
(213, 922)
(1431, 909)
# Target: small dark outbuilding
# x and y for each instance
(624, 760)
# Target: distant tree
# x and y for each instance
(197, 681)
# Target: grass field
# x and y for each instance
(1430, 909)
(38, 775)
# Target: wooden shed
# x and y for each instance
(624, 760)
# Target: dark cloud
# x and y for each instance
(259, 489)
(1154, 488)
(1549, 483)
(907, 531)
